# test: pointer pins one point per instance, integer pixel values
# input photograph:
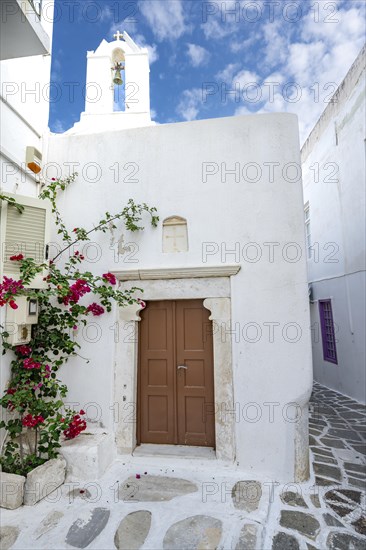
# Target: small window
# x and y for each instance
(307, 229)
(24, 233)
(327, 328)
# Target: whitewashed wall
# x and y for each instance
(167, 162)
(336, 150)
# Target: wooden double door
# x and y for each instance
(175, 382)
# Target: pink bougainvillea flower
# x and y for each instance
(30, 421)
(76, 426)
(95, 309)
(141, 302)
(17, 258)
(80, 256)
(8, 288)
(77, 290)
(30, 363)
(24, 350)
(138, 476)
(110, 278)
(10, 405)
(82, 412)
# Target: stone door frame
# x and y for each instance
(212, 285)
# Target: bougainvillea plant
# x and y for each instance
(35, 415)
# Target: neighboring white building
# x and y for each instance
(25, 67)
(229, 196)
(334, 175)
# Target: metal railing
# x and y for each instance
(37, 6)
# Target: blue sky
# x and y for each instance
(275, 55)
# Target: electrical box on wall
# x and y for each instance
(33, 159)
(19, 321)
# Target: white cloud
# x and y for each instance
(58, 127)
(242, 110)
(227, 74)
(190, 103)
(308, 69)
(166, 18)
(305, 60)
(244, 77)
(105, 13)
(198, 55)
(213, 29)
(242, 45)
(344, 24)
(93, 12)
(153, 50)
(222, 18)
(276, 43)
(125, 25)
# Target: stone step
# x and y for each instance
(89, 455)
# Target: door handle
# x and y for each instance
(182, 367)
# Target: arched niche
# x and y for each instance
(118, 56)
(175, 234)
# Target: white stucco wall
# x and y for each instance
(337, 219)
(270, 309)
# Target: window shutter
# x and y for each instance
(24, 233)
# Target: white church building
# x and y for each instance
(220, 357)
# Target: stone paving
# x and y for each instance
(147, 503)
(330, 512)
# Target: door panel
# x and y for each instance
(157, 378)
(173, 401)
(195, 389)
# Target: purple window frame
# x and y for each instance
(328, 334)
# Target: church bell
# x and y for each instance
(117, 77)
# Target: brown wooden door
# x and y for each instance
(175, 404)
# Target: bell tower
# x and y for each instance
(117, 89)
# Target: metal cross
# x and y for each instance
(118, 36)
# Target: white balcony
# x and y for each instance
(22, 33)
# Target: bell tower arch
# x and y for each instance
(118, 79)
(117, 89)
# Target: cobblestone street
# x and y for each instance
(330, 513)
(146, 503)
